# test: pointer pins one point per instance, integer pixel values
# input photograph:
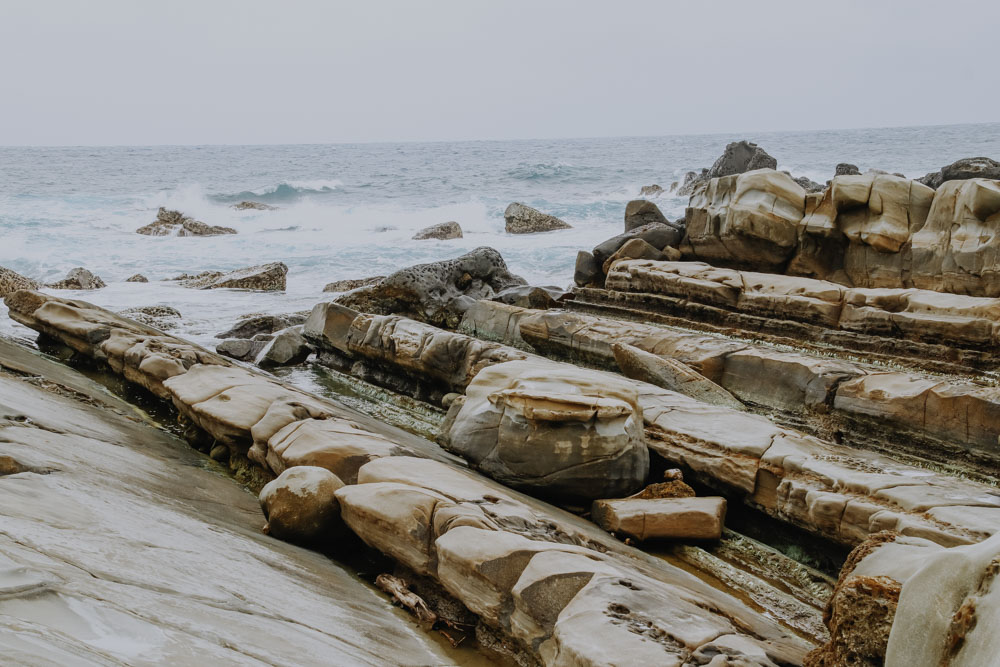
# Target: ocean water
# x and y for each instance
(349, 211)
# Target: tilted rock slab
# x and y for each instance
(662, 518)
(408, 507)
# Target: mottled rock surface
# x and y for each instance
(79, 278)
(352, 283)
(175, 223)
(522, 219)
(263, 278)
(137, 278)
(11, 281)
(441, 231)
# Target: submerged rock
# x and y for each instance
(639, 212)
(79, 278)
(175, 223)
(137, 278)
(441, 231)
(426, 291)
(523, 219)
(300, 505)
(254, 206)
(352, 283)
(263, 278)
(552, 429)
(11, 281)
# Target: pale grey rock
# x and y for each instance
(442, 231)
(522, 219)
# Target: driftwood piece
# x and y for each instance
(400, 592)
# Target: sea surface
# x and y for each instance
(350, 210)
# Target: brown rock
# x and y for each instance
(639, 212)
(662, 518)
(441, 231)
(523, 219)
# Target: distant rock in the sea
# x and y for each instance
(158, 317)
(79, 278)
(962, 170)
(175, 223)
(352, 283)
(847, 169)
(523, 219)
(653, 190)
(441, 231)
(137, 278)
(264, 278)
(254, 206)
(11, 281)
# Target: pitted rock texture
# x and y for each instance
(261, 278)
(175, 223)
(80, 279)
(352, 283)
(426, 291)
(552, 430)
(522, 219)
(442, 231)
(11, 281)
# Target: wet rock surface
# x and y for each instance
(441, 231)
(175, 223)
(262, 278)
(352, 283)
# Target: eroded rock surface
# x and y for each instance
(522, 219)
(80, 279)
(175, 223)
(662, 518)
(351, 283)
(441, 231)
(11, 281)
(262, 278)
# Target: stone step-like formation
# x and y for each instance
(512, 569)
(924, 415)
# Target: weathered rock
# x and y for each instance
(287, 348)
(748, 220)
(521, 219)
(160, 317)
(738, 157)
(426, 291)
(300, 505)
(263, 278)
(653, 190)
(175, 223)
(242, 349)
(530, 296)
(639, 212)
(960, 170)
(441, 231)
(137, 278)
(847, 169)
(253, 325)
(79, 278)
(670, 374)
(808, 184)
(657, 235)
(254, 206)
(587, 270)
(553, 430)
(11, 281)
(638, 249)
(352, 283)
(662, 518)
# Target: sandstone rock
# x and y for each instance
(847, 169)
(653, 190)
(966, 168)
(137, 278)
(748, 220)
(441, 231)
(159, 317)
(662, 518)
(553, 430)
(300, 505)
(657, 235)
(426, 291)
(263, 278)
(11, 281)
(240, 348)
(639, 212)
(175, 223)
(587, 270)
(253, 325)
(670, 374)
(287, 348)
(529, 296)
(79, 278)
(352, 283)
(523, 219)
(254, 206)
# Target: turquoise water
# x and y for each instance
(349, 211)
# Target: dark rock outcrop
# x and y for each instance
(175, 223)
(737, 158)
(137, 278)
(253, 325)
(426, 291)
(587, 271)
(262, 278)
(521, 219)
(964, 169)
(847, 169)
(639, 212)
(657, 235)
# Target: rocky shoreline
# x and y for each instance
(816, 358)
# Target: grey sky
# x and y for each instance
(303, 71)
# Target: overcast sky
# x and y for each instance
(316, 71)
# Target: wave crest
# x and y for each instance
(286, 191)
